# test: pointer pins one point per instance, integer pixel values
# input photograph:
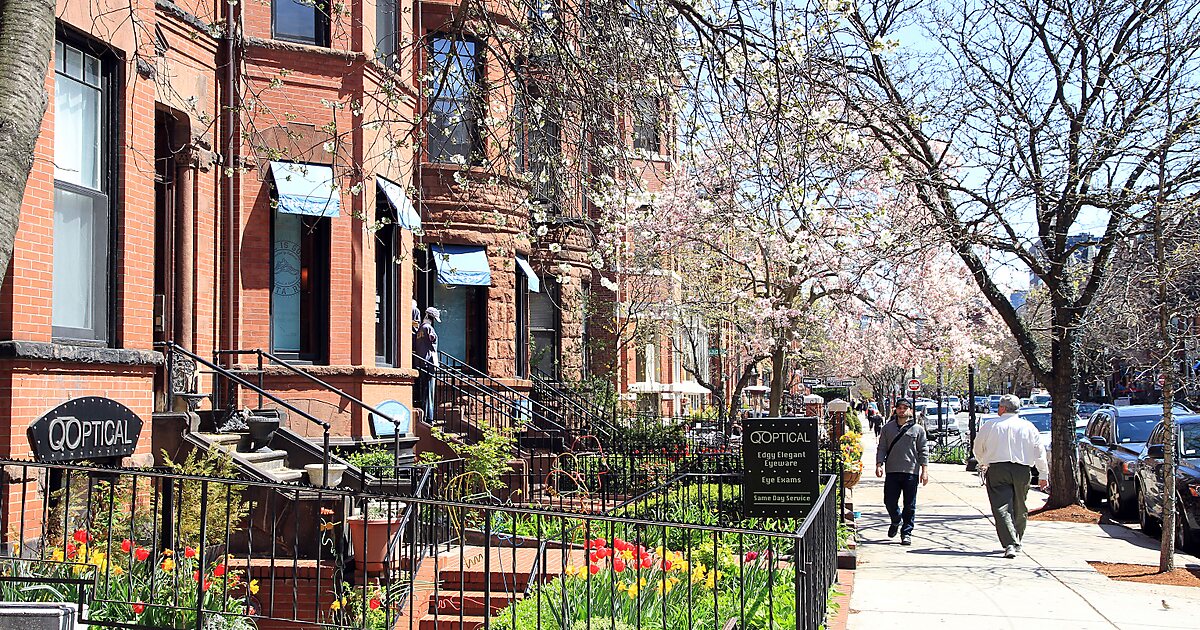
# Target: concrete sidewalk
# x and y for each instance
(954, 575)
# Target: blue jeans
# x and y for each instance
(895, 484)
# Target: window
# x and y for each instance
(300, 286)
(645, 125)
(543, 135)
(543, 329)
(462, 333)
(585, 302)
(300, 21)
(82, 297)
(385, 31)
(522, 325)
(454, 101)
(386, 322)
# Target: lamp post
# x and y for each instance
(972, 463)
(838, 408)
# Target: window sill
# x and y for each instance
(15, 350)
(288, 46)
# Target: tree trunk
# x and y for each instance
(1064, 463)
(26, 38)
(778, 356)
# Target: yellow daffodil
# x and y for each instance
(335, 605)
(632, 592)
(56, 555)
(168, 564)
(621, 586)
(116, 570)
(627, 554)
(642, 582)
(575, 571)
(253, 587)
(168, 552)
(99, 560)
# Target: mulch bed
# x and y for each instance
(1148, 574)
(1069, 514)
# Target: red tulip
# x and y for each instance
(751, 556)
(618, 565)
(81, 536)
(374, 603)
(593, 569)
(141, 554)
(126, 545)
(139, 607)
(189, 552)
(71, 550)
(219, 571)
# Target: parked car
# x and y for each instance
(981, 403)
(1108, 452)
(1040, 400)
(947, 424)
(954, 402)
(994, 403)
(1040, 419)
(1150, 482)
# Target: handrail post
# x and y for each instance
(258, 353)
(325, 458)
(170, 402)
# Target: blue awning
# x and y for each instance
(535, 283)
(306, 189)
(464, 265)
(406, 215)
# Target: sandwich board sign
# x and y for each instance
(781, 466)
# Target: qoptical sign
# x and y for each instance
(780, 459)
(85, 428)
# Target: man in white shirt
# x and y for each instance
(1007, 447)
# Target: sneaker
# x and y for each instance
(895, 527)
(1010, 551)
(906, 540)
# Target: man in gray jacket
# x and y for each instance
(903, 453)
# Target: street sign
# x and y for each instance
(812, 381)
(780, 463)
(847, 382)
(914, 385)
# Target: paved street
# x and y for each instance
(954, 575)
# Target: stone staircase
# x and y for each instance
(271, 462)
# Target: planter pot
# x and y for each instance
(370, 538)
(315, 474)
(850, 478)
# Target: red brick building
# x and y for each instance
(262, 186)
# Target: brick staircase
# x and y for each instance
(462, 598)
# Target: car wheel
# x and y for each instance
(1115, 504)
(1186, 538)
(1086, 495)
(1149, 524)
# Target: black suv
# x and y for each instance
(1150, 482)
(1109, 449)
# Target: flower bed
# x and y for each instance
(626, 585)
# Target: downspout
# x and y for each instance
(231, 162)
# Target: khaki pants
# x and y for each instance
(1007, 487)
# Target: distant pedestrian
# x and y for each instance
(875, 419)
(902, 453)
(1006, 447)
(425, 347)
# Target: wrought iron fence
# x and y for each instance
(174, 549)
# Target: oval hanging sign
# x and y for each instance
(85, 428)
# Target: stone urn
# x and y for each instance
(261, 430)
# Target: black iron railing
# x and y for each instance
(581, 413)
(171, 348)
(264, 359)
(173, 549)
